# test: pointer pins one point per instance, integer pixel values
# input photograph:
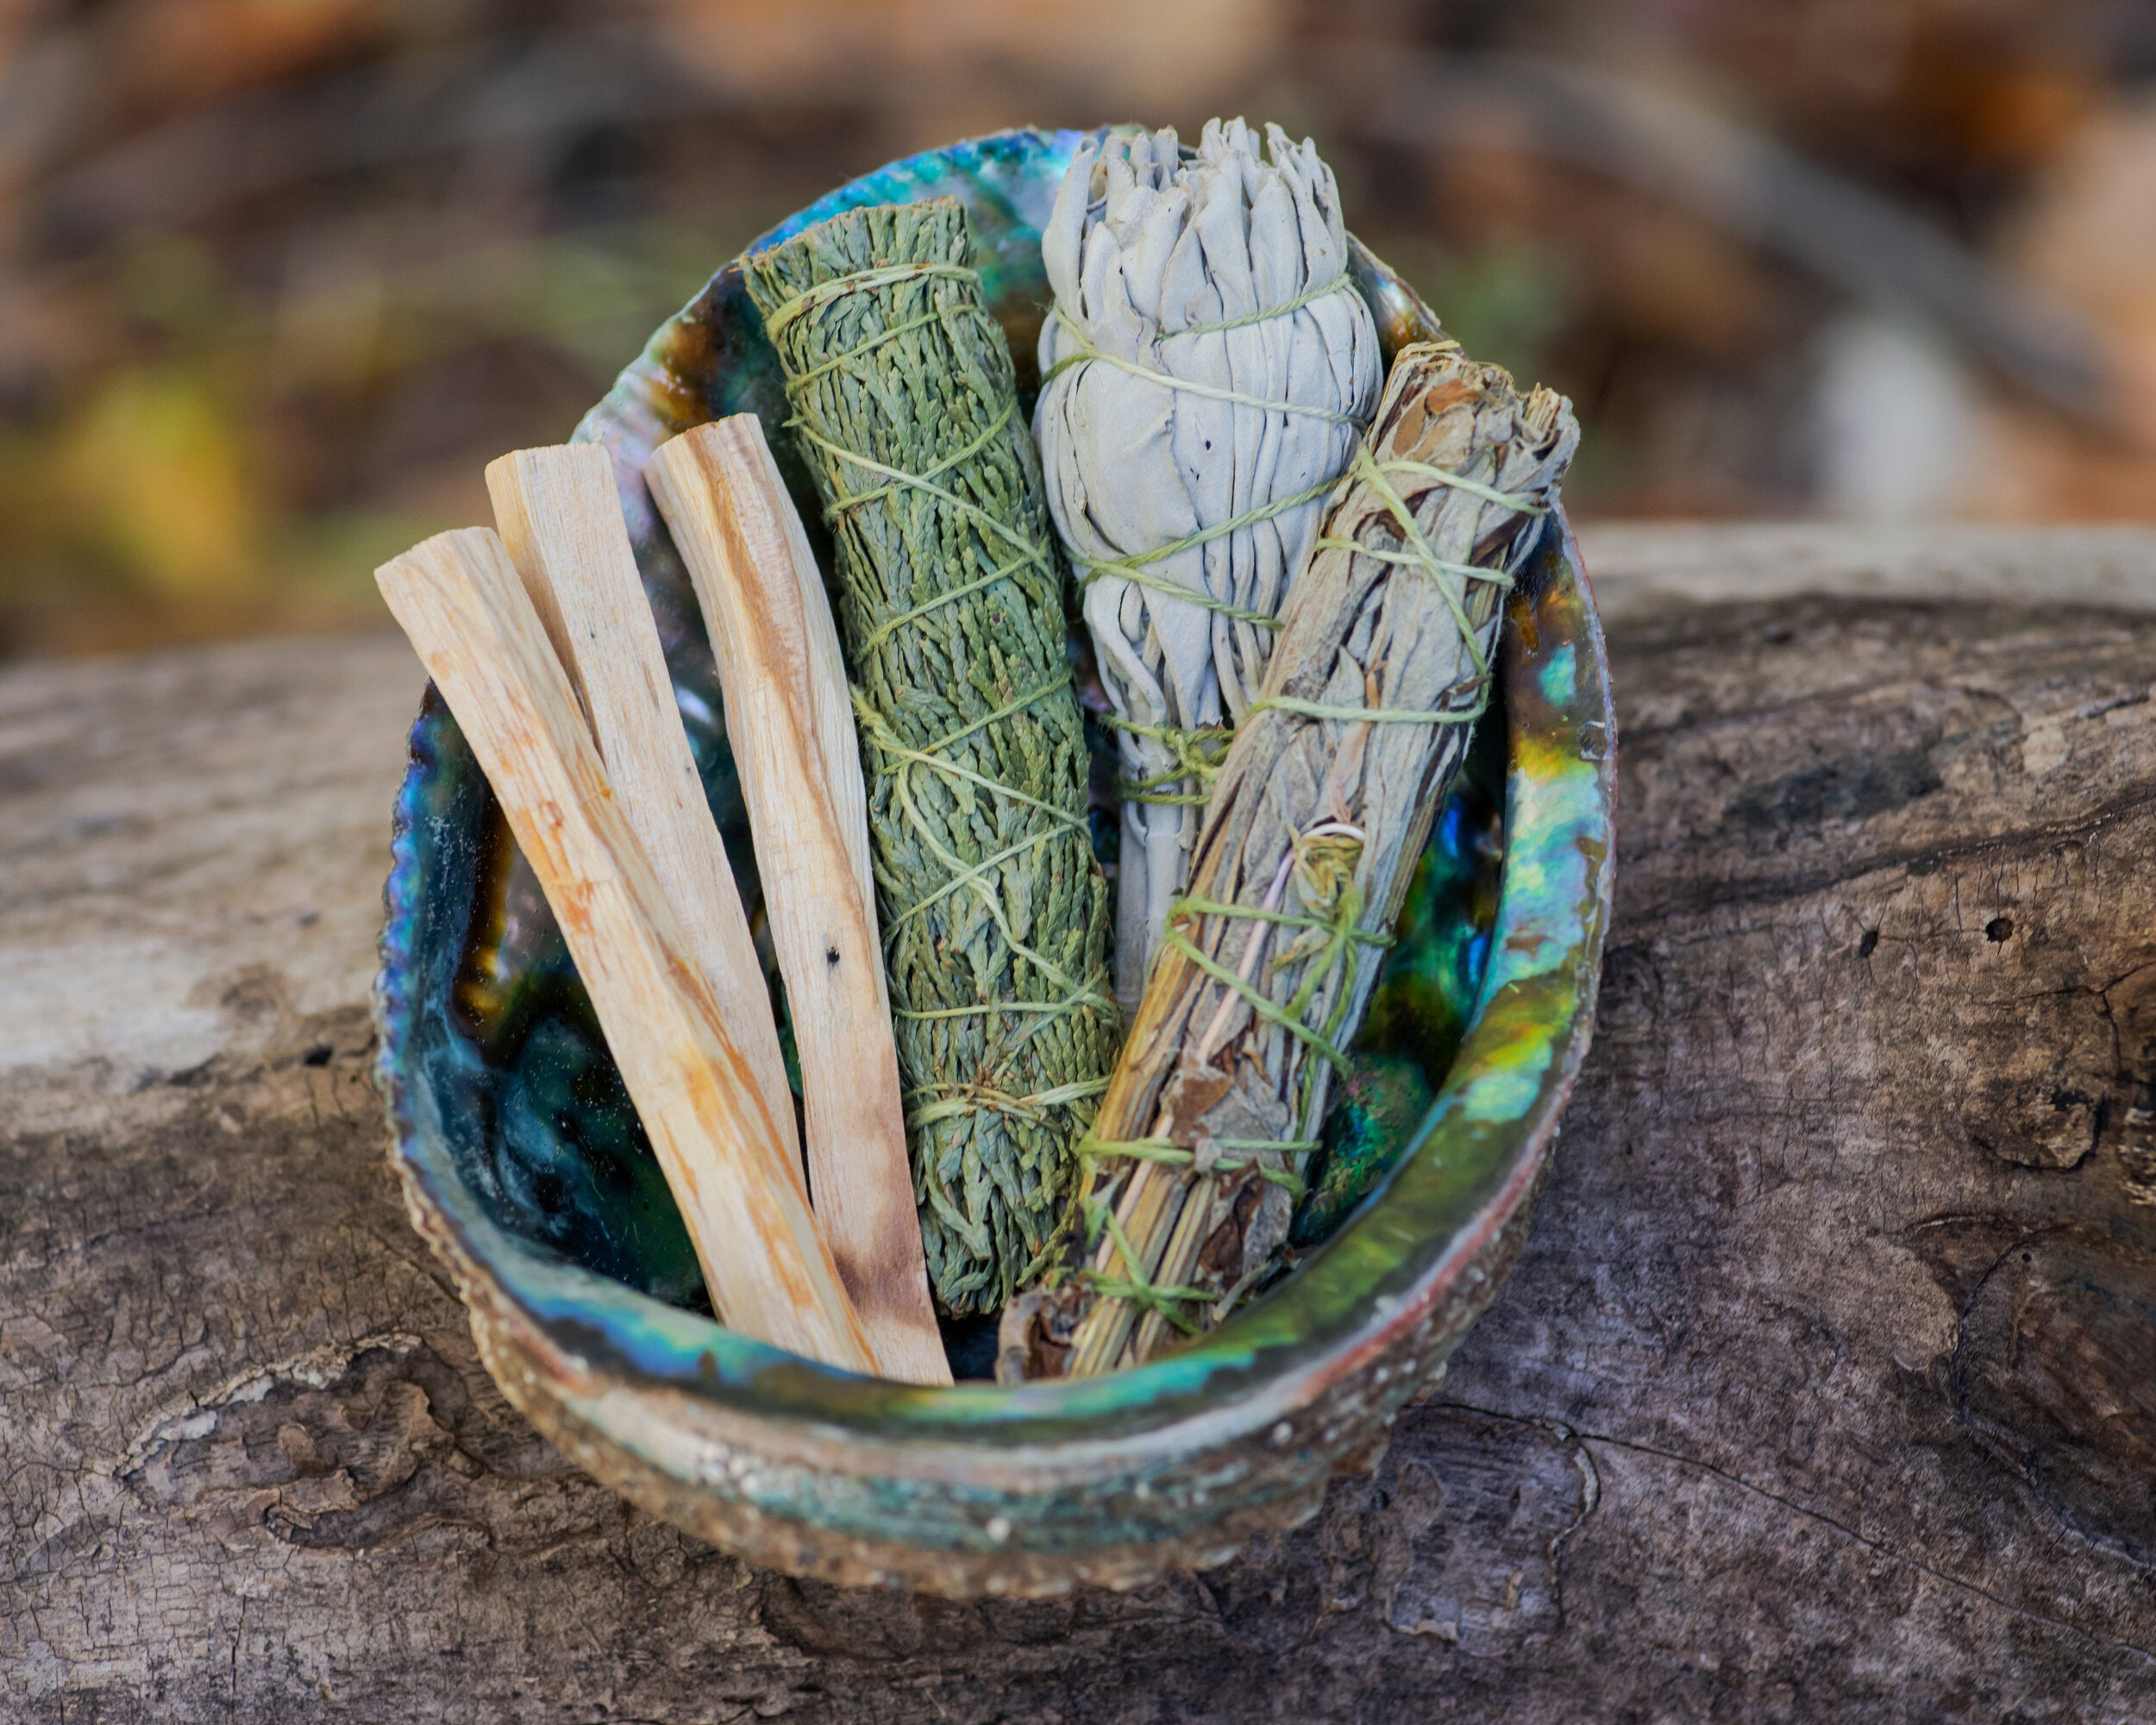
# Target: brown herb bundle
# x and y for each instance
(1322, 806)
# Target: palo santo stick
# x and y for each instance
(461, 602)
(561, 518)
(791, 728)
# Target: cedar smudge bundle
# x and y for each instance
(1321, 807)
(994, 915)
(1205, 375)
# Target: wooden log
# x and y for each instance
(731, 1169)
(560, 517)
(1815, 1392)
(792, 728)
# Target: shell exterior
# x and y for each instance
(522, 1165)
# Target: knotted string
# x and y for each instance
(1196, 759)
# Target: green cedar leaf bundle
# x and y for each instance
(949, 596)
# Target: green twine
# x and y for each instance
(785, 309)
(1373, 715)
(1342, 931)
(1342, 283)
(957, 1098)
(1172, 1155)
(1198, 750)
(1084, 349)
(1134, 568)
(1137, 1287)
(1263, 1005)
(1415, 553)
(1192, 746)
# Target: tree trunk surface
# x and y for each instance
(1826, 1385)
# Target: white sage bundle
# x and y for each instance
(1206, 373)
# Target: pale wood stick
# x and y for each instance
(770, 1276)
(792, 727)
(560, 517)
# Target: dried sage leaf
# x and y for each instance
(1322, 806)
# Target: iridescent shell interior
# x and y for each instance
(523, 1162)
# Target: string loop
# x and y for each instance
(1195, 762)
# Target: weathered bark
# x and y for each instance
(1823, 1388)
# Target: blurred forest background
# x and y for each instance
(278, 276)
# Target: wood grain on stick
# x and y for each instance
(560, 517)
(791, 728)
(726, 1156)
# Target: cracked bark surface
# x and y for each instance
(1827, 1381)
